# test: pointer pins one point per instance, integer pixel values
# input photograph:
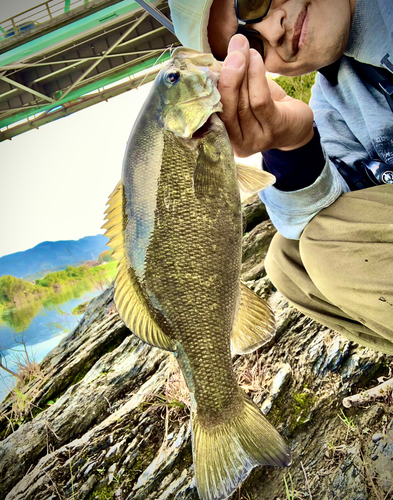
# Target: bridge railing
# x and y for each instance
(30, 18)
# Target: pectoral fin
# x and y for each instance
(130, 301)
(254, 324)
(252, 180)
(206, 175)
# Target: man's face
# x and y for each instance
(299, 36)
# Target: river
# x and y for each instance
(41, 325)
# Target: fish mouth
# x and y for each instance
(205, 129)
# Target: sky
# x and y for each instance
(55, 181)
(9, 8)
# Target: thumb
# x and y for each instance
(231, 77)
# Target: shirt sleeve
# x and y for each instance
(291, 211)
(307, 180)
(298, 168)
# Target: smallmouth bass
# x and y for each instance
(174, 224)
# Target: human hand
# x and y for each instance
(257, 113)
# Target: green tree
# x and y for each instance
(16, 291)
(5, 287)
(298, 87)
(105, 256)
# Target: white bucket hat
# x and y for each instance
(190, 19)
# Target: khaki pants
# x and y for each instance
(340, 273)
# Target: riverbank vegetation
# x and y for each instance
(16, 292)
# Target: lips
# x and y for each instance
(297, 30)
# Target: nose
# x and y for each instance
(272, 26)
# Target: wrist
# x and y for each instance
(305, 139)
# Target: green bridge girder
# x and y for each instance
(72, 61)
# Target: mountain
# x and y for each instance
(52, 255)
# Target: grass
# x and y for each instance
(349, 422)
(26, 374)
(289, 489)
(176, 399)
(298, 87)
(71, 473)
(26, 366)
(252, 375)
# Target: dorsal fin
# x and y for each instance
(252, 179)
(130, 301)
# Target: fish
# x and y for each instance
(174, 224)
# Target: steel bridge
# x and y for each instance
(66, 55)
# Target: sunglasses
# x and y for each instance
(251, 11)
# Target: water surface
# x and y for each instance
(41, 325)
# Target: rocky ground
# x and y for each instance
(108, 416)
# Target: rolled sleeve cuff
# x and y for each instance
(291, 211)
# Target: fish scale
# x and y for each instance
(181, 239)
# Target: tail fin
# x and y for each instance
(226, 453)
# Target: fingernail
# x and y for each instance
(236, 43)
(234, 60)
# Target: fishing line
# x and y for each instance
(156, 62)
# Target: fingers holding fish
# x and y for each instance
(231, 81)
(249, 111)
(258, 114)
(287, 123)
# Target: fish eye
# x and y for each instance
(172, 77)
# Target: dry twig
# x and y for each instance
(305, 476)
(364, 397)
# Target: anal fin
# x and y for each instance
(254, 324)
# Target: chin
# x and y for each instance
(301, 70)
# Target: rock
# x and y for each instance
(377, 436)
(111, 434)
(349, 482)
(280, 380)
(328, 356)
(254, 212)
(89, 467)
(255, 246)
(86, 488)
(381, 467)
(116, 449)
(174, 486)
